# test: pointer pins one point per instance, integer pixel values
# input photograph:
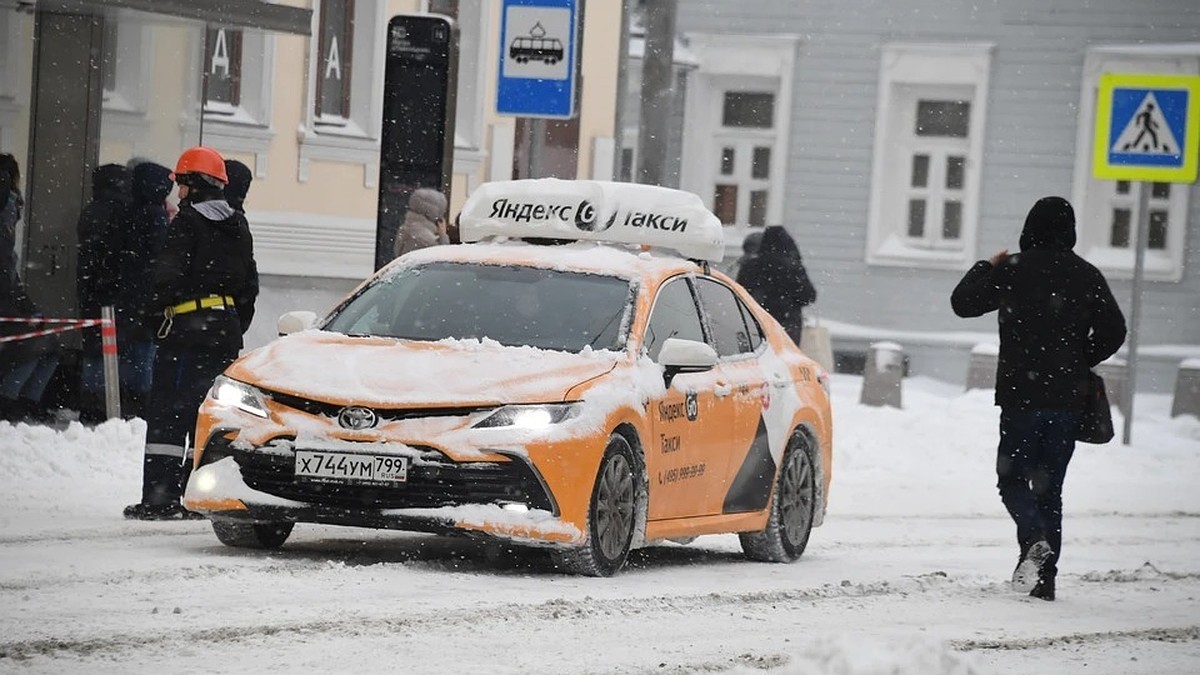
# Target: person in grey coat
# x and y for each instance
(425, 222)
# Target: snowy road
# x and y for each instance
(907, 575)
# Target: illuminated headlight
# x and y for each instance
(238, 395)
(529, 416)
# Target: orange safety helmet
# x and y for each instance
(201, 160)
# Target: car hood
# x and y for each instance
(390, 373)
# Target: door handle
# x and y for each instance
(722, 390)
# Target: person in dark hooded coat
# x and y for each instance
(27, 365)
(98, 275)
(776, 278)
(205, 287)
(1058, 319)
(143, 233)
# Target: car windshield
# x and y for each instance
(512, 305)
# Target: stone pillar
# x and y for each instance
(1187, 389)
(884, 375)
(1115, 372)
(981, 369)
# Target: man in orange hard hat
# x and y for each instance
(205, 285)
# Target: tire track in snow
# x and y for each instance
(562, 609)
(1184, 634)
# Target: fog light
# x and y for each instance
(205, 481)
(515, 507)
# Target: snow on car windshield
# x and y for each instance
(511, 304)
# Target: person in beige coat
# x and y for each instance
(425, 222)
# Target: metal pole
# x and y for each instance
(658, 92)
(1139, 257)
(108, 350)
(537, 144)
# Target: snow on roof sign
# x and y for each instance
(1147, 128)
(626, 213)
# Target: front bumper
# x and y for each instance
(504, 496)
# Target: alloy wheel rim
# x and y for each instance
(614, 506)
(796, 497)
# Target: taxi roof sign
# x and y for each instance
(587, 210)
(1147, 128)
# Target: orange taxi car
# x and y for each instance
(576, 376)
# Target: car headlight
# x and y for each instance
(238, 395)
(528, 416)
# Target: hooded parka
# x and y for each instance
(776, 278)
(1057, 315)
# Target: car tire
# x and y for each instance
(792, 508)
(252, 535)
(612, 515)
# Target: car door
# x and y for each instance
(686, 420)
(743, 459)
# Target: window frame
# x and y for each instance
(357, 141)
(235, 46)
(687, 280)
(743, 310)
(754, 63)
(347, 59)
(909, 73)
(1094, 199)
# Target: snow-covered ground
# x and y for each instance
(906, 576)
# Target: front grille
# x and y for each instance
(434, 480)
(385, 414)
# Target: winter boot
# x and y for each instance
(1044, 590)
(1028, 570)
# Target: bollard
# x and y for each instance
(1187, 389)
(981, 369)
(108, 352)
(1115, 372)
(883, 375)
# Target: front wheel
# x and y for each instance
(611, 515)
(792, 507)
(252, 535)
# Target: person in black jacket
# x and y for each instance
(98, 275)
(205, 286)
(777, 280)
(143, 232)
(1057, 319)
(26, 365)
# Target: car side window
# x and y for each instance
(730, 336)
(752, 324)
(674, 315)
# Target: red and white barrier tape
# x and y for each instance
(108, 331)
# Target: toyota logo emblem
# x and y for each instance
(357, 418)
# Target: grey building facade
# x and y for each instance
(901, 141)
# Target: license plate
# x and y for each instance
(351, 467)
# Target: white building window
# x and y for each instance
(932, 106)
(345, 86)
(236, 81)
(737, 128)
(1106, 211)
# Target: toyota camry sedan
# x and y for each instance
(574, 376)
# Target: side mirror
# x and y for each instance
(294, 322)
(685, 356)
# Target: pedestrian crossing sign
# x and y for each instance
(1147, 128)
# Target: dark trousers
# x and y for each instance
(1031, 464)
(182, 378)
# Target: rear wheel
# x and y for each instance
(612, 515)
(792, 507)
(252, 535)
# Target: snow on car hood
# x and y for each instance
(385, 372)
